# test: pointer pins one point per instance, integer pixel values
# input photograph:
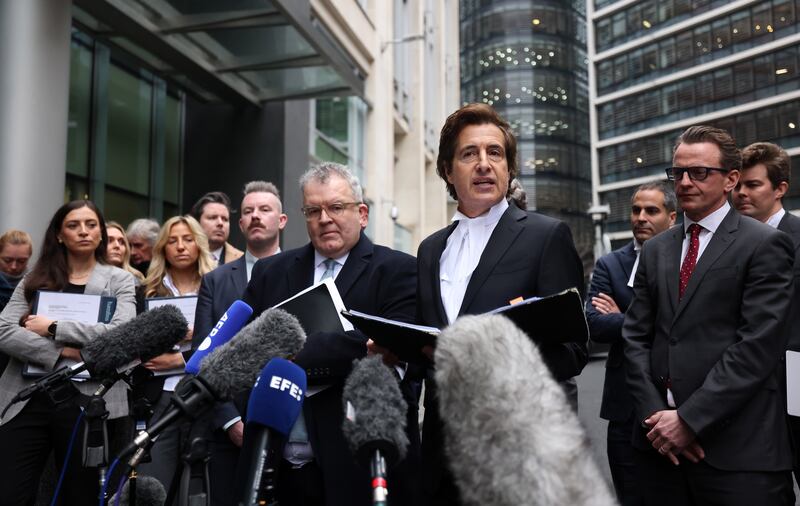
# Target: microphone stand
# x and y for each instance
(195, 482)
(378, 468)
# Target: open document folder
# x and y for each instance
(76, 307)
(557, 318)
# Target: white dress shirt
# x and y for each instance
(462, 254)
(637, 247)
(171, 381)
(217, 253)
(709, 226)
(776, 218)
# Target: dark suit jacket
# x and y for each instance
(375, 280)
(610, 276)
(218, 290)
(528, 255)
(720, 344)
(790, 224)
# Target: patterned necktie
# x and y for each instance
(330, 268)
(691, 258)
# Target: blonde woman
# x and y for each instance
(180, 259)
(119, 250)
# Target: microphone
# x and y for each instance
(148, 491)
(228, 325)
(374, 425)
(273, 408)
(123, 347)
(510, 435)
(228, 370)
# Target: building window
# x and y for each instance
(124, 144)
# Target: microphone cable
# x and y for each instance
(108, 479)
(66, 458)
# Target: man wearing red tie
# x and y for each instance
(703, 338)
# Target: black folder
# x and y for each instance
(403, 339)
(555, 319)
(316, 308)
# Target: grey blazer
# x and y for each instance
(23, 345)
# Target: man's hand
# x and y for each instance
(670, 436)
(389, 358)
(236, 433)
(604, 304)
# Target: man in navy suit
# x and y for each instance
(653, 210)
(261, 222)
(318, 467)
(766, 171)
(493, 253)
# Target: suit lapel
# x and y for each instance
(672, 263)
(790, 224)
(720, 241)
(98, 280)
(300, 275)
(239, 274)
(356, 262)
(627, 258)
(503, 236)
(438, 245)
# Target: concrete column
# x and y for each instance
(34, 104)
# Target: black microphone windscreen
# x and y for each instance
(148, 335)
(510, 435)
(149, 492)
(375, 411)
(234, 366)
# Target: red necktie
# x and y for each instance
(691, 258)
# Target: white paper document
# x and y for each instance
(793, 383)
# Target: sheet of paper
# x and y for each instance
(793, 383)
(76, 307)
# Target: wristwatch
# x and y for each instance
(51, 330)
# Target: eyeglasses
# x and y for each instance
(335, 209)
(695, 173)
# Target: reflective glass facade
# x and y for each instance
(528, 61)
(736, 69)
(124, 145)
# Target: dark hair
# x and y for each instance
(210, 198)
(51, 271)
(670, 200)
(730, 156)
(472, 114)
(774, 158)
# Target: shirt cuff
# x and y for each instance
(231, 422)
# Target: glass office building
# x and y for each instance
(659, 67)
(528, 61)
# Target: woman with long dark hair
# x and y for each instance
(72, 260)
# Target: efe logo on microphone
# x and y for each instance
(283, 384)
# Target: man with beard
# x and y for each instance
(261, 221)
(653, 210)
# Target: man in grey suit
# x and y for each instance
(703, 338)
(261, 222)
(766, 171)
